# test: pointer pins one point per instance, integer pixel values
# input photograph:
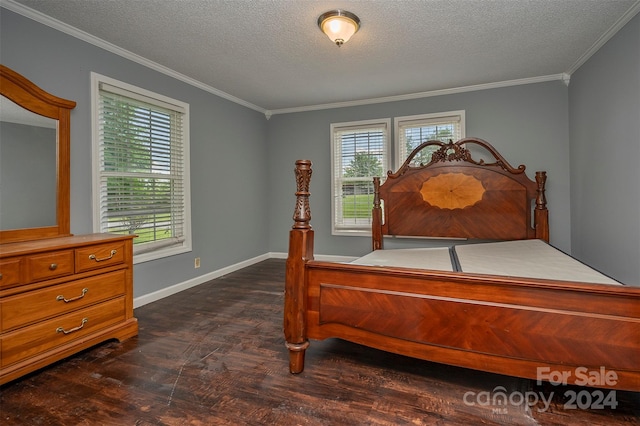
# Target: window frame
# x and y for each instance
(157, 249)
(399, 122)
(385, 123)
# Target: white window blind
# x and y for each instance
(411, 131)
(359, 152)
(142, 184)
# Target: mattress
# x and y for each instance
(521, 258)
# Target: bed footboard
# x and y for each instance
(513, 326)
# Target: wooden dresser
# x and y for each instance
(62, 295)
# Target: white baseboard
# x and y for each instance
(323, 257)
(176, 288)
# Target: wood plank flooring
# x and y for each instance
(215, 355)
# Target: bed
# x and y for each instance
(504, 321)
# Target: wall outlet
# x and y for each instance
(196, 262)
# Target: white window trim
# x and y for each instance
(398, 121)
(363, 123)
(149, 252)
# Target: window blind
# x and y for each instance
(412, 131)
(360, 152)
(141, 173)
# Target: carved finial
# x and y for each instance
(541, 201)
(451, 152)
(376, 192)
(302, 213)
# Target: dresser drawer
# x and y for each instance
(50, 265)
(17, 311)
(99, 256)
(30, 341)
(10, 272)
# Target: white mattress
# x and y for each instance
(526, 258)
(437, 258)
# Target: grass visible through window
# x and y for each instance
(357, 206)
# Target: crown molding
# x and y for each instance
(617, 26)
(84, 36)
(462, 89)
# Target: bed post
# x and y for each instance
(300, 251)
(541, 212)
(376, 216)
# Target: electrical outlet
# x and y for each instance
(196, 262)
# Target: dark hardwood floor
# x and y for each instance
(215, 355)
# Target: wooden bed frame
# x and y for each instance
(514, 326)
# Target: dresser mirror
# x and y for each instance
(34, 160)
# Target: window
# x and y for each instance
(360, 151)
(141, 168)
(411, 131)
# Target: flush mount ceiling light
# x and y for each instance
(339, 25)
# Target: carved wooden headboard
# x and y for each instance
(456, 196)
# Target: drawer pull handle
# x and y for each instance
(62, 330)
(61, 297)
(0, 276)
(93, 256)
(53, 266)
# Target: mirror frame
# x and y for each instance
(25, 93)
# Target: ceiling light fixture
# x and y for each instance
(339, 25)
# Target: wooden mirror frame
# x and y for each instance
(31, 97)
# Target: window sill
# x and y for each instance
(351, 232)
(160, 253)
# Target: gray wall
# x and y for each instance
(228, 185)
(604, 105)
(528, 124)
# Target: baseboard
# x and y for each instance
(323, 257)
(176, 288)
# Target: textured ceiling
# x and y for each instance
(271, 55)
